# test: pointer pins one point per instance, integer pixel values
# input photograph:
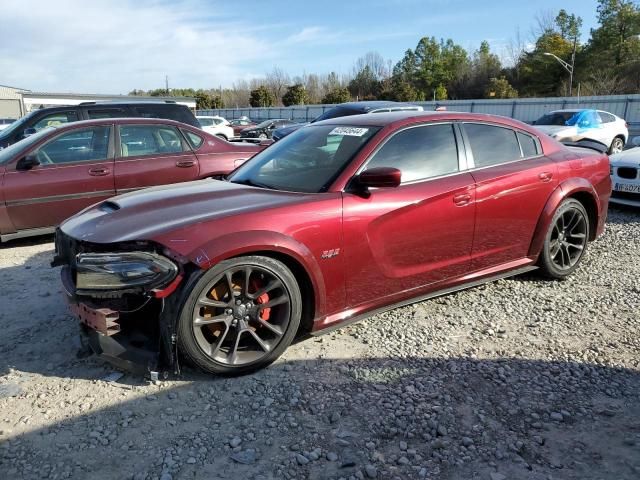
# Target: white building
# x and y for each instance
(16, 102)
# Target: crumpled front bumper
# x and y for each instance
(102, 332)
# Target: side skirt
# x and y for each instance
(421, 298)
(32, 232)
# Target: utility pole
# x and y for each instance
(166, 84)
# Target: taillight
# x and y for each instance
(626, 125)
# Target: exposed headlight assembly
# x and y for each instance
(118, 271)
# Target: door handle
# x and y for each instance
(99, 172)
(462, 199)
(185, 163)
(545, 176)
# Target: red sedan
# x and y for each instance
(59, 171)
(342, 219)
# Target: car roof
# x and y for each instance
(408, 117)
(119, 121)
(371, 104)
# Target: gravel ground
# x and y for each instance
(520, 379)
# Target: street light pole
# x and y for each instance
(568, 67)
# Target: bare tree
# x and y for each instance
(603, 82)
(376, 63)
(277, 81)
(545, 23)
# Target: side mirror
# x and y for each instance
(380, 177)
(28, 162)
(28, 132)
(271, 127)
(636, 141)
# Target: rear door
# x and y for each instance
(152, 154)
(75, 171)
(399, 239)
(514, 180)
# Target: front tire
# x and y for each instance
(223, 137)
(240, 315)
(566, 240)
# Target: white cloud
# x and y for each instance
(113, 47)
(307, 34)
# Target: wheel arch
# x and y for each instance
(296, 256)
(577, 188)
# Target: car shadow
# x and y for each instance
(27, 241)
(446, 418)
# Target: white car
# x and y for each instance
(575, 125)
(625, 176)
(217, 126)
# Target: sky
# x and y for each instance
(112, 47)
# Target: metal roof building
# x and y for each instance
(16, 102)
(11, 101)
(35, 100)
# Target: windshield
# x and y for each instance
(15, 126)
(555, 118)
(14, 150)
(306, 161)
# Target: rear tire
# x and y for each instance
(617, 145)
(223, 137)
(566, 240)
(225, 326)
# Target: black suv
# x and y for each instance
(349, 108)
(44, 117)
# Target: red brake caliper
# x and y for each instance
(264, 298)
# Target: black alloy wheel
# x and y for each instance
(240, 315)
(566, 240)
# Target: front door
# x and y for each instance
(75, 171)
(400, 239)
(153, 154)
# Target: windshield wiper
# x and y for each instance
(253, 183)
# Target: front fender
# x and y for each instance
(567, 188)
(250, 242)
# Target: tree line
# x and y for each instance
(439, 69)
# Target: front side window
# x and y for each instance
(78, 146)
(419, 152)
(308, 160)
(492, 145)
(55, 119)
(142, 140)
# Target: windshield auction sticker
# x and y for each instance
(349, 131)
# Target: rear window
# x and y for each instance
(492, 145)
(106, 113)
(179, 113)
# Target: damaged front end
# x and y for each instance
(124, 296)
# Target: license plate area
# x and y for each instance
(103, 320)
(627, 187)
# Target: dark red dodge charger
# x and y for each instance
(342, 219)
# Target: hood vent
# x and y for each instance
(109, 207)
